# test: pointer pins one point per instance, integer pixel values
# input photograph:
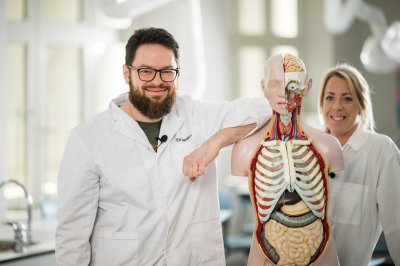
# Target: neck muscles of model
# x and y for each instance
(287, 126)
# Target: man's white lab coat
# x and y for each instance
(121, 203)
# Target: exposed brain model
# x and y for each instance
(293, 64)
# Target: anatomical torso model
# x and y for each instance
(288, 164)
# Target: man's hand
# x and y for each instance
(195, 164)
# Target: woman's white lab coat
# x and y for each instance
(121, 203)
(364, 198)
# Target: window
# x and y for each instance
(16, 112)
(15, 10)
(54, 79)
(284, 49)
(264, 27)
(251, 60)
(251, 18)
(284, 21)
(62, 103)
(62, 11)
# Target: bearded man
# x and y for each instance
(124, 193)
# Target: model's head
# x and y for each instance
(152, 70)
(285, 82)
(345, 101)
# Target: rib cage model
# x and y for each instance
(288, 171)
(290, 166)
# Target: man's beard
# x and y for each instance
(152, 109)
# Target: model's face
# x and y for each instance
(339, 109)
(283, 100)
(274, 87)
(153, 98)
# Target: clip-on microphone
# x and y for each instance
(163, 139)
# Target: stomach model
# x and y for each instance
(288, 189)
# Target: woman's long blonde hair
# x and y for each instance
(359, 89)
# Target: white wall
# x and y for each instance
(317, 47)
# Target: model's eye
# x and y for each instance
(328, 98)
(292, 86)
(273, 84)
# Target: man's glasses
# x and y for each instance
(148, 74)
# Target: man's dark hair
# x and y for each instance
(150, 36)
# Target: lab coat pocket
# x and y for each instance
(117, 248)
(206, 236)
(347, 202)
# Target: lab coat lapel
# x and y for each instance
(170, 125)
(132, 131)
(128, 127)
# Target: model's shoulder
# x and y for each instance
(319, 137)
(329, 147)
(254, 139)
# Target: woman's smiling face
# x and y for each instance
(339, 109)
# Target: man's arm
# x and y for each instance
(243, 152)
(195, 164)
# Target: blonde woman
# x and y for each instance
(364, 197)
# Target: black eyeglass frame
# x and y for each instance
(155, 72)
